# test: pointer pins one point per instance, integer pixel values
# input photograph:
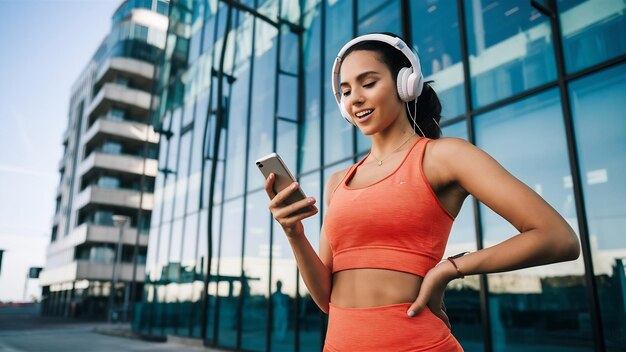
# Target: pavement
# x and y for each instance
(23, 329)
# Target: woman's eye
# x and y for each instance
(371, 84)
(346, 93)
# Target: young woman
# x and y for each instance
(380, 274)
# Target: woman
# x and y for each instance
(379, 273)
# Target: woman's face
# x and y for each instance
(369, 92)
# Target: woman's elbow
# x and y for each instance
(569, 246)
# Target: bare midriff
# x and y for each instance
(361, 288)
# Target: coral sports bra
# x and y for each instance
(396, 223)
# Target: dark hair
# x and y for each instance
(428, 105)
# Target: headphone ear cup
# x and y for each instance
(402, 83)
(411, 86)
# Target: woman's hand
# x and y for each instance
(292, 225)
(432, 289)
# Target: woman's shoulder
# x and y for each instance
(440, 156)
(443, 148)
(333, 181)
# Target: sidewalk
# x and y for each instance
(24, 330)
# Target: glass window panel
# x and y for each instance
(548, 302)
(268, 8)
(263, 90)
(288, 97)
(365, 7)
(290, 10)
(188, 113)
(283, 291)
(168, 198)
(181, 178)
(255, 276)
(510, 47)
(237, 123)
(163, 252)
(591, 31)
(337, 132)
(289, 49)
(386, 19)
(173, 141)
(158, 200)
(229, 284)
(310, 148)
(598, 107)
(196, 36)
(153, 251)
(436, 38)
(176, 247)
(209, 31)
(462, 297)
(190, 240)
(309, 313)
(287, 142)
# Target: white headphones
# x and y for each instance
(410, 80)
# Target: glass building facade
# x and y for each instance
(538, 85)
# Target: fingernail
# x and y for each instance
(295, 185)
(411, 313)
(311, 199)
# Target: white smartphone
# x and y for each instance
(272, 163)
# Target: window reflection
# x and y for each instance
(309, 315)
(510, 49)
(228, 281)
(547, 302)
(598, 109)
(591, 31)
(263, 90)
(255, 274)
(436, 38)
(337, 132)
(310, 148)
(385, 19)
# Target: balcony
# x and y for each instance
(113, 197)
(85, 233)
(87, 270)
(61, 165)
(117, 162)
(140, 72)
(125, 129)
(136, 101)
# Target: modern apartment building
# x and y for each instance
(108, 169)
(539, 85)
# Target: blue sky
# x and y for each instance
(44, 46)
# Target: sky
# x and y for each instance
(44, 45)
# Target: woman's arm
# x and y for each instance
(316, 272)
(544, 236)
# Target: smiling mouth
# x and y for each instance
(364, 113)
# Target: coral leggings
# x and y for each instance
(387, 328)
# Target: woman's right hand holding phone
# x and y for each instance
(291, 224)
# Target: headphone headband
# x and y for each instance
(394, 42)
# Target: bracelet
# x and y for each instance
(451, 260)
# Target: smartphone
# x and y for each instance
(272, 163)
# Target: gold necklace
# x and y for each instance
(380, 161)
